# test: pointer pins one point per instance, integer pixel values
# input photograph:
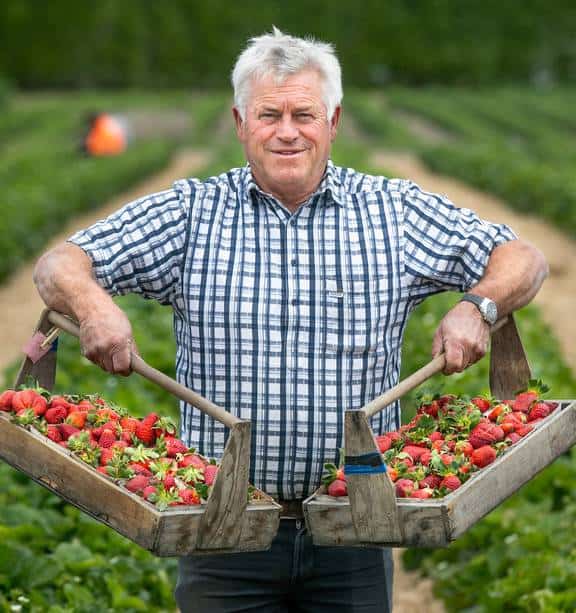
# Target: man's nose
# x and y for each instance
(287, 129)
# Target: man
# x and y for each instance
(291, 281)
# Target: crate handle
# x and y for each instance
(152, 374)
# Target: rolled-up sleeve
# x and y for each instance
(139, 248)
(446, 247)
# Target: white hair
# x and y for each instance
(282, 55)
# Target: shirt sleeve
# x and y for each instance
(139, 248)
(446, 247)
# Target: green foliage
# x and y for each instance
(44, 178)
(194, 44)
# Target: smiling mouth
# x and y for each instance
(288, 153)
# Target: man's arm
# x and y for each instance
(513, 276)
(65, 281)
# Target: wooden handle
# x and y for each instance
(152, 374)
(415, 379)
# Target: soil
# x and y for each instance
(20, 305)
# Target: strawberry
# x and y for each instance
(192, 459)
(422, 494)
(56, 415)
(384, 442)
(394, 436)
(189, 496)
(174, 446)
(482, 403)
(129, 424)
(405, 487)
(431, 481)
(67, 430)
(464, 447)
(450, 482)
(498, 412)
(485, 433)
(513, 437)
(29, 399)
(482, 456)
(59, 401)
(169, 481)
(414, 452)
(107, 438)
(106, 455)
(526, 398)
(145, 429)
(139, 469)
(76, 419)
(211, 470)
(338, 488)
(426, 457)
(148, 492)
(539, 410)
(137, 483)
(53, 433)
(6, 400)
(436, 436)
(524, 429)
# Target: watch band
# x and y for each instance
(487, 307)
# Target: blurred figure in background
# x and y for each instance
(107, 135)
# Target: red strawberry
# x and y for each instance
(524, 401)
(482, 456)
(148, 491)
(464, 447)
(189, 496)
(29, 399)
(485, 433)
(451, 482)
(140, 469)
(524, 429)
(436, 436)
(174, 446)
(423, 493)
(191, 459)
(384, 442)
(6, 400)
(211, 470)
(392, 473)
(169, 481)
(145, 429)
(405, 487)
(394, 436)
(430, 408)
(338, 488)
(539, 410)
(482, 403)
(107, 438)
(67, 430)
(498, 411)
(53, 433)
(137, 483)
(55, 415)
(77, 419)
(106, 455)
(414, 452)
(426, 457)
(447, 458)
(432, 481)
(59, 401)
(129, 424)
(119, 445)
(513, 437)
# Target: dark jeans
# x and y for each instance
(294, 576)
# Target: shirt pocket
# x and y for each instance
(353, 308)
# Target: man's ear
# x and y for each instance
(335, 122)
(239, 123)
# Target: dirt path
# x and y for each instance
(20, 305)
(557, 296)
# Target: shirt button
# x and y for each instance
(294, 301)
(294, 262)
(293, 222)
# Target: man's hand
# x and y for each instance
(106, 339)
(463, 335)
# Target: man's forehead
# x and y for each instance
(304, 87)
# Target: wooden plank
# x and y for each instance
(372, 496)
(509, 368)
(220, 527)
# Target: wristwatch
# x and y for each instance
(487, 307)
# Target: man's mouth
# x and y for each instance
(287, 152)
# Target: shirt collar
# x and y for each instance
(330, 186)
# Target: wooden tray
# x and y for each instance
(225, 524)
(438, 522)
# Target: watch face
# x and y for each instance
(491, 312)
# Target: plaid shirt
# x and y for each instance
(284, 319)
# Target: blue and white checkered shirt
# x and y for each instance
(289, 319)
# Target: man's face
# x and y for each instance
(287, 135)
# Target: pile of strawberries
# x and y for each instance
(449, 439)
(142, 455)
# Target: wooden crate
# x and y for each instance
(225, 524)
(438, 522)
(173, 532)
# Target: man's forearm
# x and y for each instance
(515, 273)
(65, 281)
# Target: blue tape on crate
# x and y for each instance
(367, 464)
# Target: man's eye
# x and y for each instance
(267, 115)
